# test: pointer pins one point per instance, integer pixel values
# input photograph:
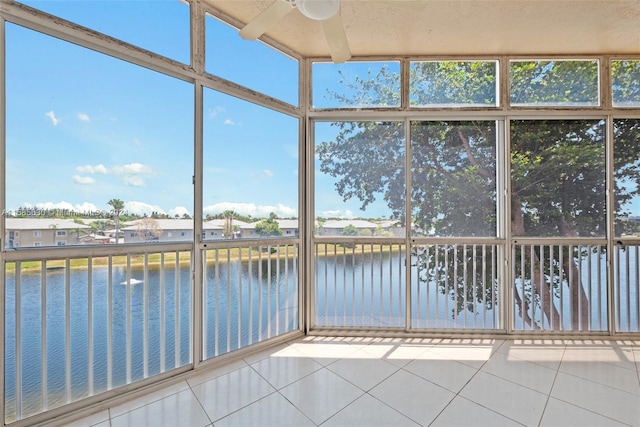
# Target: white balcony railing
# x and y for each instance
(360, 284)
(627, 287)
(251, 293)
(82, 321)
(561, 286)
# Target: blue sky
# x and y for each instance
(83, 128)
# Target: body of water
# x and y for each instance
(244, 303)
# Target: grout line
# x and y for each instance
(553, 383)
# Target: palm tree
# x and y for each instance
(117, 205)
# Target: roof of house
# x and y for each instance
(342, 223)
(42, 224)
(222, 222)
(170, 224)
(282, 223)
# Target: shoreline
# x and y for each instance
(137, 261)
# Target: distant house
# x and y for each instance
(289, 228)
(148, 230)
(222, 224)
(34, 232)
(336, 227)
(392, 226)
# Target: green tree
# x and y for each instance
(350, 230)
(268, 227)
(557, 170)
(229, 229)
(117, 206)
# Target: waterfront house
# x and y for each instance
(167, 230)
(289, 228)
(336, 227)
(223, 224)
(37, 232)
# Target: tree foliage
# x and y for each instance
(557, 172)
(268, 227)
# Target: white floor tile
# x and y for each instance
(365, 372)
(182, 409)
(464, 413)
(413, 396)
(527, 374)
(607, 401)
(281, 349)
(321, 394)
(470, 352)
(208, 373)
(280, 371)
(605, 352)
(604, 373)
(368, 412)
(92, 420)
(410, 381)
(325, 352)
(449, 374)
(399, 353)
(562, 414)
(145, 399)
(271, 411)
(228, 393)
(506, 398)
(547, 353)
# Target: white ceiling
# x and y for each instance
(461, 27)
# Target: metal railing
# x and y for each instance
(250, 293)
(360, 283)
(559, 286)
(77, 326)
(627, 287)
(83, 321)
(455, 286)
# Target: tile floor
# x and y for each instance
(318, 381)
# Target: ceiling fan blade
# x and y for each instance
(266, 19)
(336, 39)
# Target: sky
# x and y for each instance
(84, 128)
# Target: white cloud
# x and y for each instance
(132, 174)
(83, 117)
(133, 180)
(229, 122)
(337, 214)
(254, 210)
(132, 169)
(83, 180)
(92, 169)
(215, 111)
(264, 174)
(52, 205)
(179, 210)
(53, 118)
(141, 208)
(84, 207)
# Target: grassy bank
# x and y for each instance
(154, 259)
